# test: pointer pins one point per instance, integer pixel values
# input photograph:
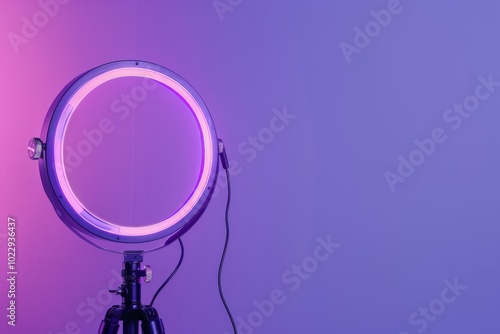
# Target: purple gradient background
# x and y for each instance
(322, 175)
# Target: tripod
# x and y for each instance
(132, 311)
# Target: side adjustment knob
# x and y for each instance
(149, 274)
(35, 148)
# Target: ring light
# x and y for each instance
(49, 149)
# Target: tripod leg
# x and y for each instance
(111, 322)
(151, 322)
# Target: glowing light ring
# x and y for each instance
(52, 167)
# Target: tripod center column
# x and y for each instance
(132, 274)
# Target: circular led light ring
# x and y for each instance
(65, 109)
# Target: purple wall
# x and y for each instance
(366, 137)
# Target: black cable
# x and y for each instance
(171, 275)
(224, 251)
(224, 254)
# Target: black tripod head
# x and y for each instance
(132, 311)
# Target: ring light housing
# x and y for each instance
(50, 152)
